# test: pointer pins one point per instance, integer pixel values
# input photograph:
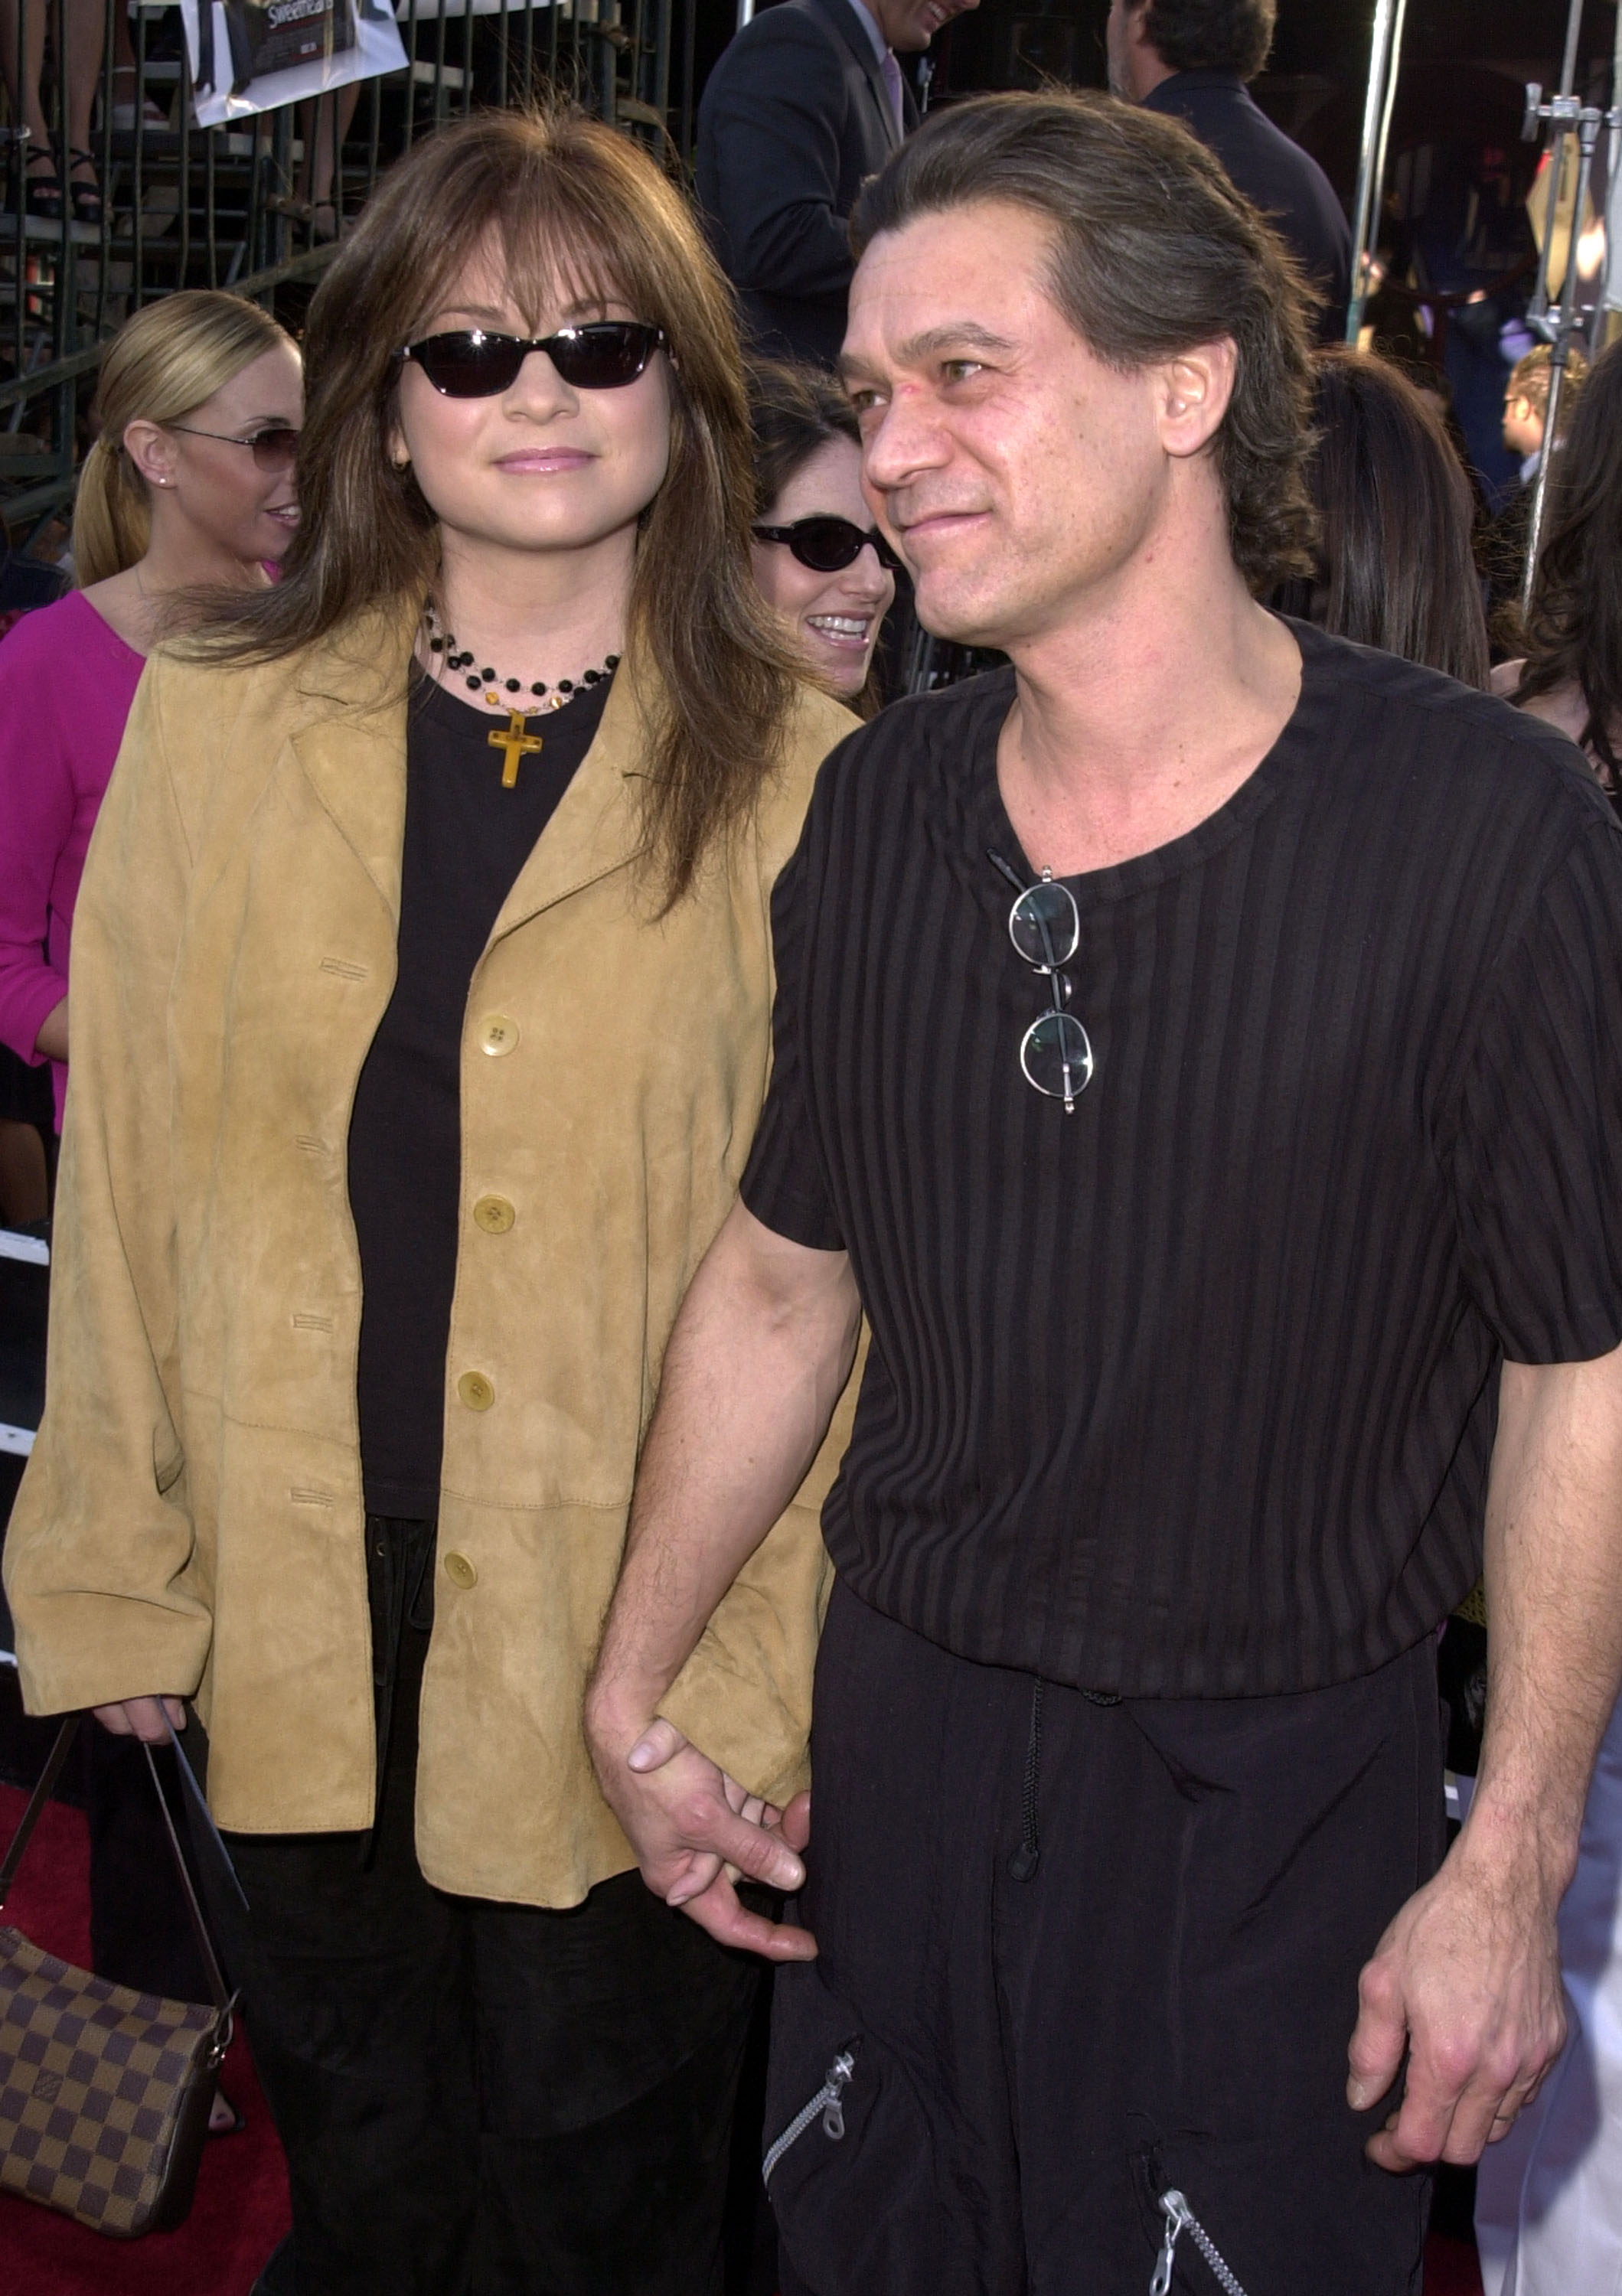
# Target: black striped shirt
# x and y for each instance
(1191, 1393)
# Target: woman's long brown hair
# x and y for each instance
(1574, 622)
(556, 193)
(1395, 563)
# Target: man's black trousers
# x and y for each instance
(1078, 1953)
(479, 2099)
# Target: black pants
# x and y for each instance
(140, 1930)
(1071, 1966)
(479, 2099)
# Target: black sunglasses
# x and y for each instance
(275, 449)
(827, 545)
(603, 355)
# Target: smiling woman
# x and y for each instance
(187, 490)
(422, 1005)
(819, 558)
(513, 225)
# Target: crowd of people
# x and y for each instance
(639, 1213)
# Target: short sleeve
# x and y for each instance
(785, 1183)
(1537, 1164)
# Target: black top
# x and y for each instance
(794, 117)
(466, 839)
(1191, 1393)
(1284, 182)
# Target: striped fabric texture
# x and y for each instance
(1191, 1393)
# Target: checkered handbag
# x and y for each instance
(104, 2094)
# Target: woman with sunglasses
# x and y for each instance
(160, 517)
(424, 974)
(188, 487)
(818, 556)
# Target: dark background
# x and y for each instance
(1453, 228)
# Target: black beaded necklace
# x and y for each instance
(444, 641)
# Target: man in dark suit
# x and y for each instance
(807, 103)
(1192, 58)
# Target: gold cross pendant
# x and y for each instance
(517, 741)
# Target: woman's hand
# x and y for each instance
(142, 1718)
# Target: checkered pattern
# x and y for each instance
(92, 2081)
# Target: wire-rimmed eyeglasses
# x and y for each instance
(1044, 926)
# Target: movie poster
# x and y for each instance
(256, 55)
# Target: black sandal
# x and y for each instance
(42, 195)
(87, 198)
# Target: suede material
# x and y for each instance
(191, 1520)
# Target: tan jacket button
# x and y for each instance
(459, 1571)
(475, 1390)
(496, 1035)
(494, 1214)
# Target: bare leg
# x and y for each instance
(316, 126)
(85, 29)
(24, 88)
(125, 76)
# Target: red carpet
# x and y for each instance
(241, 2210)
(1451, 2268)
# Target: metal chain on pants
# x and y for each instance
(1180, 2218)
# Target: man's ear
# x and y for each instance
(153, 450)
(1196, 389)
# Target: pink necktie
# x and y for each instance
(892, 81)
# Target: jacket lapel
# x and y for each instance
(352, 749)
(838, 14)
(352, 746)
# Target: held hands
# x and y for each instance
(1467, 1979)
(142, 1717)
(696, 1832)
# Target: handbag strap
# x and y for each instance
(30, 1818)
(200, 1928)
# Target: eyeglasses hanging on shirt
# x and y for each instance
(1044, 926)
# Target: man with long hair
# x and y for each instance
(1197, 1050)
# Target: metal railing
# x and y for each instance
(232, 206)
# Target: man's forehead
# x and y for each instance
(946, 338)
(955, 281)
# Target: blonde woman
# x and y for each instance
(422, 1017)
(188, 485)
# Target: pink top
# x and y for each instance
(67, 680)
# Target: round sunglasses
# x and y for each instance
(605, 355)
(273, 449)
(827, 545)
(1044, 926)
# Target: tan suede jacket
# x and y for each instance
(191, 1520)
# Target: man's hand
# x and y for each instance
(1467, 1981)
(142, 1717)
(696, 1832)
